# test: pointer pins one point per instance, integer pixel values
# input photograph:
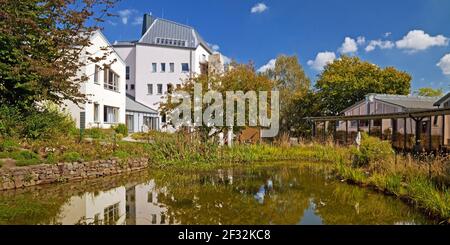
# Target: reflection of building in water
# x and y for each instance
(143, 207)
(222, 178)
(100, 208)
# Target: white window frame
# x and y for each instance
(111, 80)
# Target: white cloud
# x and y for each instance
(214, 47)
(361, 40)
(322, 59)
(417, 40)
(259, 8)
(112, 23)
(379, 44)
(125, 14)
(137, 20)
(268, 66)
(444, 64)
(387, 34)
(349, 46)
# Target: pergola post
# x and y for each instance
(346, 132)
(405, 134)
(443, 131)
(335, 132)
(394, 130)
(418, 134)
(430, 138)
(370, 126)
(324, 136)
(313, 135)
(381, 129)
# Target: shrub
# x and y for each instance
(372, 150)
(72, 156)
(25, 158)
(4, 155)
(24, 155)
(121, 129)
(119, 137)
(45, 122)
(8, 145)
(28, 162)
(9, 118)
(51, 159)
(121, 154)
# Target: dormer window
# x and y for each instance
(170, 41)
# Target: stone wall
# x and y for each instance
(18, 177)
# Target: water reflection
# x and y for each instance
(279, 194)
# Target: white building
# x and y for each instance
(143, 206)
(106, 207)
(165, 56)
(105, 87)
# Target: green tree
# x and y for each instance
(430, 92)
(349, 79)
(293, 84)
(41, 42)
(240, 78)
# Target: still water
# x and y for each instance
(275, 194)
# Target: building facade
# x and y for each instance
(140, 118)
(163, 58)
(105, 87)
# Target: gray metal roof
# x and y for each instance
(441, 100)
(162, 28)
(134, 106)
(407, 101)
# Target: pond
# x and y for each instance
(283, 193)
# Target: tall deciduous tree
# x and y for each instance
(293, 84)
(41, 42)
(240, 77)
(348, 79)
(430, 92)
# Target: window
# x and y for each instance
(151, 122)
(127, 73)
(172, 67)
(163, 218)
(111, 80)
(149, 88)
(111, 214)
(96, 112)
(150, 197)
(435, 121)
(158, 40)
(185, 67)
(126, 86)
(97, 219)
(163, 67)
(169, 88)
(154, 67)
(96, 72)
(160, 89)
(163, 118)
(153, 218)
(110, 114)
(132, 86)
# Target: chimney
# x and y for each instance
(147, 22)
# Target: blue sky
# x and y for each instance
(410, 35)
